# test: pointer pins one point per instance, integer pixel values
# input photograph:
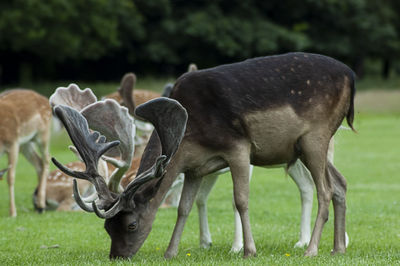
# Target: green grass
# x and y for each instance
(369, 160)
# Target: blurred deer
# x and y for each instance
(25, 123)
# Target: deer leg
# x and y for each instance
(339, 208)
(174, 193)
(31, 156)
(302, 177)
(190, 187)
(12, 162)
(314, 157)
(201, 201)
(237, 244)
(43, 141)
(239, 164)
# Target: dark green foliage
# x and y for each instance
(71, 39)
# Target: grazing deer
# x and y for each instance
(265, 111)
(25, 122)
(298, 172)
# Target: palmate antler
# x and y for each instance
(108, 117)
(95, 146)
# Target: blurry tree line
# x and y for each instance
(102, 39)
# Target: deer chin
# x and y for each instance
(126, 243)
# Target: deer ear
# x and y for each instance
(192, 67)
(126, 91)
(167, 90)
(169, 118)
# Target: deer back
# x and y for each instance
(23, 113)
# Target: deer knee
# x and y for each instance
(241, 203)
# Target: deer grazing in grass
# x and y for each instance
(24, 124)
(297, 171)
(264, 111)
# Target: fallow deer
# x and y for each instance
(298, 172)
(264, 111)
(25, 123)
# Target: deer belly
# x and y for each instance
(273, 135)
(29, 129)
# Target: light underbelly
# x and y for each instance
(273, 135)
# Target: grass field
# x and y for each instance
(370, 160)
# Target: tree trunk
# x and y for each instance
(359, 66)
(386, 64)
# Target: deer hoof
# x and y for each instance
(250, 253)
(311, 253)
(236, 249)
(40, 210)
(169, 254)
(336, 251)
(206, 245)
(301, 244)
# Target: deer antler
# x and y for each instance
(73, 97)
(116, 124)
(162, 112)
(91, 146)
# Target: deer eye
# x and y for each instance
(132, 226)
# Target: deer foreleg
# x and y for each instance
(12, 162)
(239, 164)
(237, 244)
(190, 188)
(201, 201)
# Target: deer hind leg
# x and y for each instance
(12, 162)
(237, 244)
(302, 177)
(190, 187)
(339, 208)
(314, 150)
(201, 201)
(43, 141)
(31, 156)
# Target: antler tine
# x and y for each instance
(72, 96)
(91, 146)
(77, 196)
(169, 119)
(126, 91)
(115, 123)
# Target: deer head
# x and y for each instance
(125, 213)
